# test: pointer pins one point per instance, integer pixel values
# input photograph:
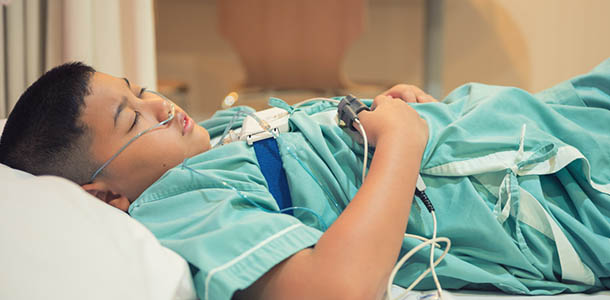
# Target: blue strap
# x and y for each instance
(270, 162)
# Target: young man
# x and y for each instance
(522, 194)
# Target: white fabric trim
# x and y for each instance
(493, 162)
(572, 268)
(564, 156)
(531, 211)
(504, 160)
(244, 255)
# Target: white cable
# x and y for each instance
(438, 284)
(366, 148)
(432, 242)
(411, 253)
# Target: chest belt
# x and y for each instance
(270, 162)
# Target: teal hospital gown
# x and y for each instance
(520, 183)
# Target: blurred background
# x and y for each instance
(197, 51)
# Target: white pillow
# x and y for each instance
(59, 242)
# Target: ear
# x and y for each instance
(101, 191)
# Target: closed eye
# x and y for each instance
(142, 90)
(135, 120)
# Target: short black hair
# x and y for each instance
(43, 134)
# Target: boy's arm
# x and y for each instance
(354, 257)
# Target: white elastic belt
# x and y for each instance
(252, 131)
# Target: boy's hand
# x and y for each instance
(409, 93)
(394, 119)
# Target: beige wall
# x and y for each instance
(524, 43)
(190, 49)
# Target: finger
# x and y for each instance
(406, 92)
(363, 115)
(425, 98)
(408, 96)
(430, 99)
(393, 91)
(379, 100)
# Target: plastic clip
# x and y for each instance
(348, 110)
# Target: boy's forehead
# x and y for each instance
(103, 82)
(106, 92)
(106, 89)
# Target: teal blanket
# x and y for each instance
(520, 183)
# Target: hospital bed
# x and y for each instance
(59, 242)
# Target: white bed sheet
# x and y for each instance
(489, 296)
(476, 295)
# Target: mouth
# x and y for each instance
(186, 122)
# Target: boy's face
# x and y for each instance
(110, 113)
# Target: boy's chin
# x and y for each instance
(204, 138)
(201, 141)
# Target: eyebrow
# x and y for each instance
(122, 104)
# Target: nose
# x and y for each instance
(163, 109)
